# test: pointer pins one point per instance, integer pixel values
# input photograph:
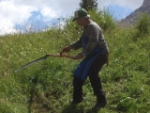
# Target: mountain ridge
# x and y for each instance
(131, 18)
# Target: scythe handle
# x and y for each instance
(60, 55)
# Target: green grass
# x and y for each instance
(46, 87)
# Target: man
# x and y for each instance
(95, 52)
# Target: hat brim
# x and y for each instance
(87, 16)
(75, 19)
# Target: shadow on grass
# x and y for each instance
(72, 108)
(78, 109)
(93, 110)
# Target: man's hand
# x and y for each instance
(66, 49)
(79, 56)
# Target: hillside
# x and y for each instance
(46, 87)
(131, 18)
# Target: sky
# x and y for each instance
(22, 15)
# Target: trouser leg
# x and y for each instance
(77, 89)
(95, 79)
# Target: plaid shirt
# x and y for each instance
(96, 39)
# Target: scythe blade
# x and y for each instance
(30, 63)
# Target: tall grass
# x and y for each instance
(46, 87)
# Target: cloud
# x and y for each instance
(132, 4)
(22, 12)
(12, 14)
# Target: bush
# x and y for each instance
(143, 24)
(104, 18)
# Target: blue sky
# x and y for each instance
(18, 15)
(119, 12)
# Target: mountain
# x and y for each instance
(130, 19)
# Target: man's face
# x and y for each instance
(80, 22)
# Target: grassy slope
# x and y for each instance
(47, 86)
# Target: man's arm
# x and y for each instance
(77, 44)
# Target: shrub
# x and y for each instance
(104, 18)
(143, 24)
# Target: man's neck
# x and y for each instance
(87, 23)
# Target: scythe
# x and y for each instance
(43, 58)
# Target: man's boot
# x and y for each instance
(101, 101)
(77, 97)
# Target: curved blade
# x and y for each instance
(43, 58)
(30, 63)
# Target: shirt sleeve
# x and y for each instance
(77, 44)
